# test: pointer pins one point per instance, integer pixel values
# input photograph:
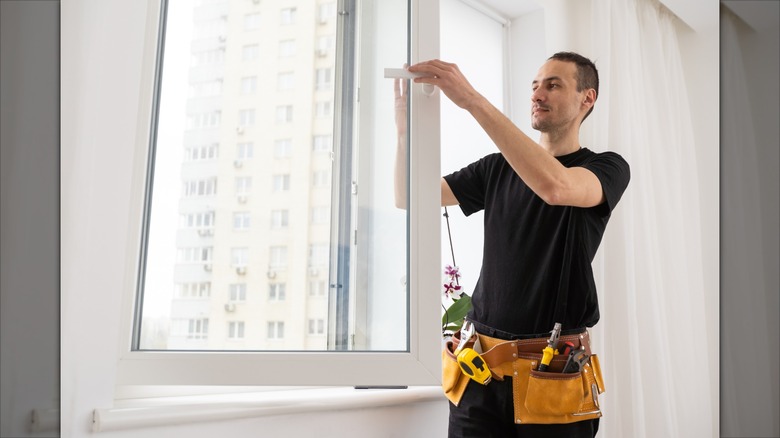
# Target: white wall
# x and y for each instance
(478, 52)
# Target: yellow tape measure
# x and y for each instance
(474, 366)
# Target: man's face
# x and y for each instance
(556, 104)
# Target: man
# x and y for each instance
(546, 207)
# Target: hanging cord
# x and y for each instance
(454, 265)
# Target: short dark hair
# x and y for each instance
(587, 75)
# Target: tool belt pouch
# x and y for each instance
(453, 381)
(555, 397)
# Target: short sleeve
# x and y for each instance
(469, 185)
(614, 174)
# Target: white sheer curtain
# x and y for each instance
(660, 348)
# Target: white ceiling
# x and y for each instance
(512, 8)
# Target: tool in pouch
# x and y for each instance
(577, 359)
(471, 363)
(550, 350)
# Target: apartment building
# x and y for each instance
(252, 245)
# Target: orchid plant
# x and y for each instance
(456, 304)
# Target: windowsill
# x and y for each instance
(168, 411)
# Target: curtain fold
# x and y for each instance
(659, 355)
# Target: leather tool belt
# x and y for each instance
(548, 397)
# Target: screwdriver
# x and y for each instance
(549, 350)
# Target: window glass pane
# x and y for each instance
(271, 223)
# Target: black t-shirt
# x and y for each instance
(534, 251)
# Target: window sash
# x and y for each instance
(420, 365)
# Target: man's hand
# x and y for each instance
(450, 80)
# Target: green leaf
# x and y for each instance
(456, 312)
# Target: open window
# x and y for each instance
(269, 245)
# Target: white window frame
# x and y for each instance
(252, 21)
(420, 365)
(283, 148)
(248, 85)
(287, 48)
(237, 292)
(250, 52)
(242, 220)
(236, 330)
(277, 291)
(285, 81)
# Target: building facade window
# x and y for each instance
(199, 220)
(252, 21)
(192, 290)
(246, 117)
(283, 148)
(323, 108)
(288, 15)
(206, 88)
(236, 330)
(326, 12)
(250, 52)
(316, 327)
(200, 187)
(285, 81)
(323, 79)
(195, 328)
(287, 48)
(320, 215)
(207, 120)
(322, 143)
(206, 57)
(277, 292)
(201, 152)
(318, 288)
(319, 254)
(242, 220)
(278, 257)
(320, 178)
(237, 292)
(249, 85)
(276, 330)
(196, 254)
(243, 185)
(280, 219)
(280, 183)
(284, 114)
(245, 151)
(239, 257)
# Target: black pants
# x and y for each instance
(488, 412)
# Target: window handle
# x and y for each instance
(402, 73)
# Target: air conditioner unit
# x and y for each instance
(241, 270)
(271, 273)
(242, 199)
(207, 267)
(238, 163)
(230, 307)
(205, 231)
(239, 130)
